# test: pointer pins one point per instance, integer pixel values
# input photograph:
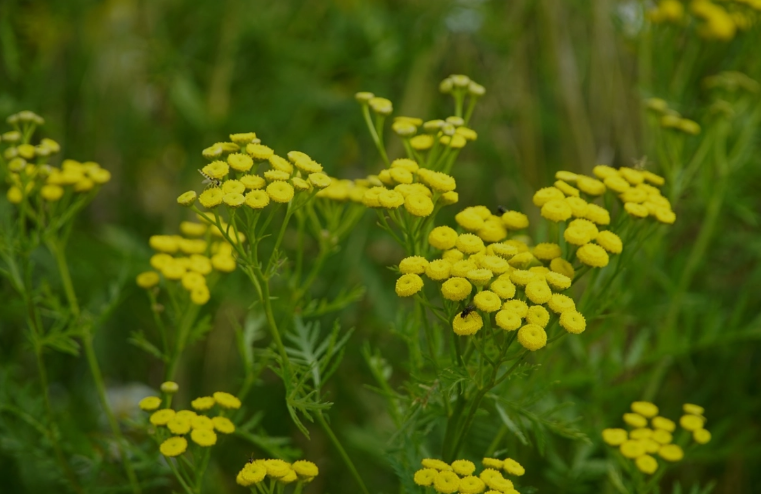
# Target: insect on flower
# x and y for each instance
(209, 181)
(467, 310)
(501, 209)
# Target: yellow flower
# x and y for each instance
(381, 106)
(148, 279)
(233, 186)
(650, 445)
(406, 164)
(492, 231)
(556, 210)
(418, 205)
(320, 180)
(469, 243)
(664, 424)
(463, 467)
(226, 400)
(573, 321)
(557, 281)
(435, 464)
(693, 409)
(590, 186)
(50, 193)
(456, 141)
(635, 420)
(187, 199)
(592, 255)
(440, 181)
(604, 171)
(234, 199)
(164, 243)
(279, 163)
(646, 464)
(252, 182)
(276, 175)
(547, 194)
(186, 415)
(492, 463)
(14, 195)
(610, 242)
(495, 264)
(519, 307)
(701, 436)
(408, 284)
(496, 481)
(566, 176)
(223, 425)
(307, 165)
(616, 183)
(691, 422)
(538, 315)
(450, 197)
(479, 277)
(547, 251)
(191, 279)
(251, 474)
(614, 437)
(456, 289)
(665, 216)
(504, 288)
(422, 142)
(635, 195)
(471, 485)
(204, 437)
(662, 437)
(566, 188)
(561, 303)
(257, 199)
(487, 301)
(425, 477)
(653, 178)
(463, 267)
(277, 468)
(538, 291)
(636, 210)
(243, 137)
(513, 467)
(150, 403)
(508, 320)
(413, 264)
(532, 337)
(514, 220)
(578, 206)
(671, 452)
(438, 270)
(240, 162)
(453, 256)
(645, 408)
(401, 175)
(203, 403)
(162, 416)
(211, 198)
(446, 482)
(201, 422)
(468, 325)
(641, 433)
(200, 294)
(174, 446)
(632, 448)
(521, 277)
(259, 151)
(300, 184)
(469, 219)
(179, 425)
(281, 192)
(305, 469)
(390, 199)
(216, 169)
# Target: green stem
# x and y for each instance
(342, 452)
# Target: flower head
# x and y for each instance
(408, 284)
(532, 337)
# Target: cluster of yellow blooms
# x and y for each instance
(459, 476)
(280, 472)
(670, 118)
(181, 422)
(720, 22)
(235, 182)
(508, 273)
(30, 176)
(189, 259)
(642, 441)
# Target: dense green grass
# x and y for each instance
(142, 87)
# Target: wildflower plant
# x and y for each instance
(46, 200)
(485, 294)
(652, 443)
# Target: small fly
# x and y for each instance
(209, 181)
(501, 209)
(467, 311)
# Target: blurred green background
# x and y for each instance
(142, 86)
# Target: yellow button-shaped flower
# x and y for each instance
(532, 337)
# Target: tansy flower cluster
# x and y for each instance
(460, 476)
(43, 191)
(279, 472)
(714, 21)
(651, 435)
(668, 118)
(234, 178)
(173, 425)
(188, 259)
